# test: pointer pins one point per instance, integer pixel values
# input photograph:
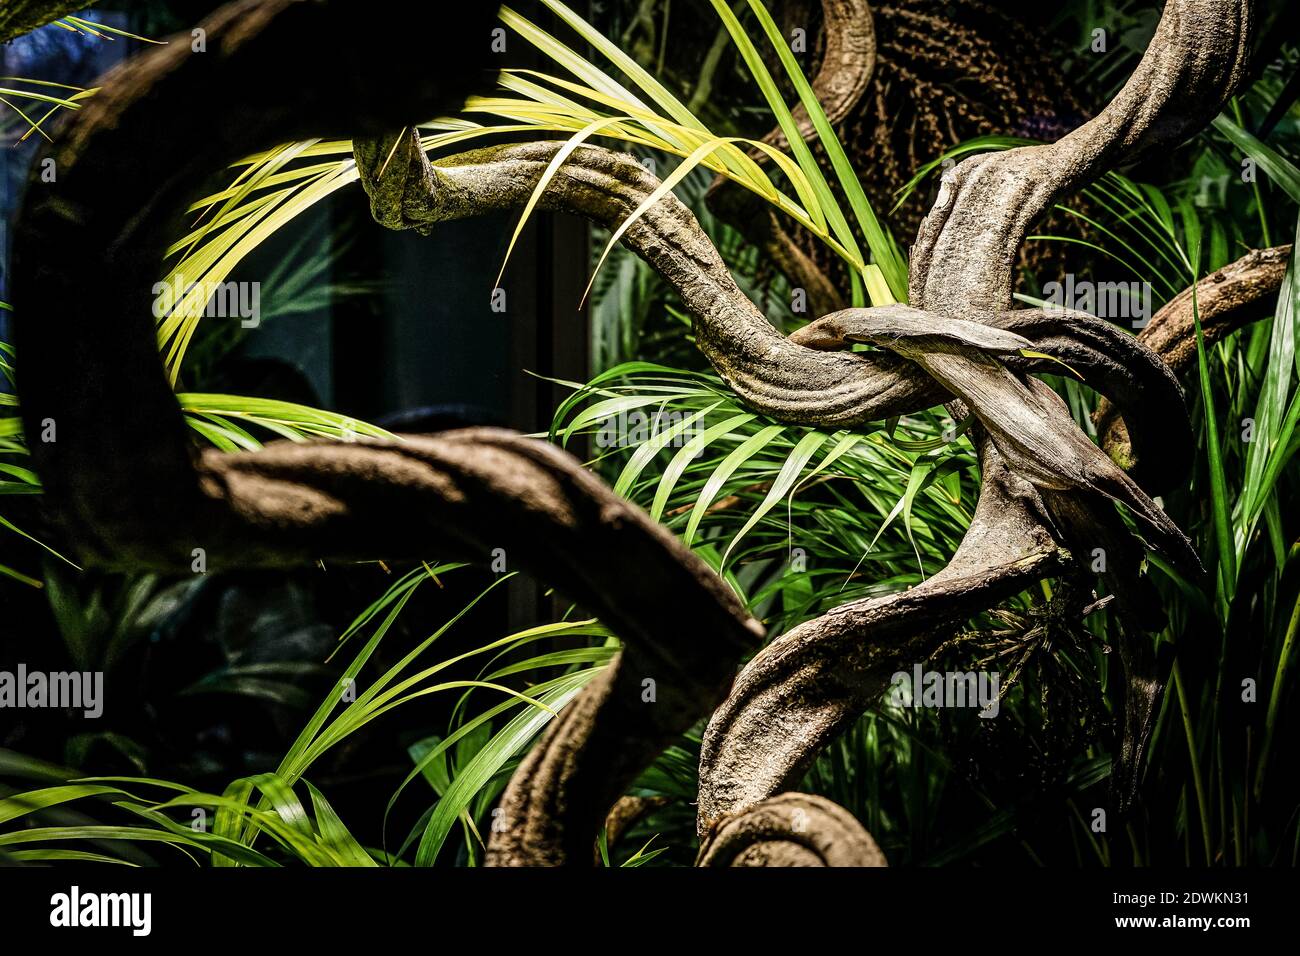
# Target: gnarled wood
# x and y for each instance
(128, 490)
(1025, 419)
(987, 203)
(961, 268)
(794, 829)
(1229, 298)
(771, 374)
(811, 683)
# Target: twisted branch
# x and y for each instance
(778, 376)
(126, 489)
(1023, 416)
(770, 374)
(129, 491)
(1236, 295)
(794, 829)
(966, 247)
(961, 268)
(812, 682)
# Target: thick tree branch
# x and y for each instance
(961, 268)
(811, 683)
(1027, 421)
(128, 490)
(23, 16)
(770, 373)
(794, 829)
(986, 204)
(1236, 295)
(127, 486)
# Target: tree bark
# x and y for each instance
(23, 16)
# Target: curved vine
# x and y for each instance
(127, 489)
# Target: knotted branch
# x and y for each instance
(783, 377)
(130, 491)
(962, 268)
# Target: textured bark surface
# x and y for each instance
(23, 16)
(1236, 295)
(812, 682)
(1145, 389)
(1022, 416)
(794, 829)
(986, 204)
(128, 490)
(847, 62)
(121, 478)
(1009, 547)
(770, 373)
(626, 813)
(956, 70)
(961, 268)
